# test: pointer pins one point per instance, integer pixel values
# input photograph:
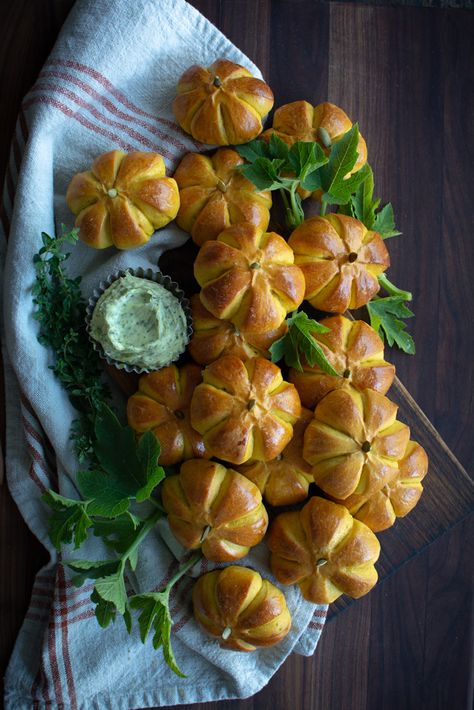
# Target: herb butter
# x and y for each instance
(139, 322)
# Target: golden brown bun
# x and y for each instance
(242, 609)
(248, 277)
(355, 350)
(244, 410)
(215, 195)
(399, 495)
(214, 508)
(341, 261)
(221, 105)
(162, 406)
(122, 200)
(354, 442)
(286, 479)
(323, 550)
(214, 337)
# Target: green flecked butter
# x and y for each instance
(139, 322)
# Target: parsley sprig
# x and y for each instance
(276, 166)
(299, 340)
(121, 470)
(364, 207)
(126, 472)
(60, 310)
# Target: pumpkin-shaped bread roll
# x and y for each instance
(326, 124)
(214, 508)
(162, 406)
(324, 550)
(122, 200)
(286, 479)
(355, 351)
(341, 261)
(241, 608)
(399, 495)
(244, 410)
(214, 337)
(354, 442)
(223, 104)
(248, 276)
(215, 195)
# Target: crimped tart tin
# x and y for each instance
(150, 275)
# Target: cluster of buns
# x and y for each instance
(247, 435)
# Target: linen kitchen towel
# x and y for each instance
(108, 83)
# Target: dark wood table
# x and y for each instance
(405, 73)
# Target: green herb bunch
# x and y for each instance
(61, 312)
(306, 166)
(121, 471)
(126, 473)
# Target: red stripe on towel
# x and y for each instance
(80, 119)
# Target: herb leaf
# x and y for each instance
(385, 315)
(128, 472)
(299, 340)
(342, 158)
(60, 310)
(155, 613)
(69, 520)
(364, 207)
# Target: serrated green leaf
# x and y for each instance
(363, 204)
(69, 520)
(305, 158)
(342, 158)
(263, 173)
(127, 618)
(385, 314)
(342, 191)
(112, 589)
(278, 148)
(91, 569)
(107, 496)
(105, 612)
(384, 222)
(299, 340)
(253, 150)
(155, 613)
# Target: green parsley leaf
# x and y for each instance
(105, 612)
(253, 150)
(384, 222)
(69, 520)
(385, 315)
(278, 148)
(364, 207)
(112, 589)
(155, 613)
(342, 158)
(300, 340)
(305, 159)
(263, 173)
(91, 569)
(129, 472)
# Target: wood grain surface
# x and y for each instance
(406, 74)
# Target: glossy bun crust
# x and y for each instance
(241, 608)
(355, 351)
(122, 200)
(162, 406)
(284, 480)
(354, 442)
(324, 550)
(380, 509)
(341, 261)
(248, 277)
(215, 509)
(244, 410)
(213, 337)
(221, 105)
(214, 195)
